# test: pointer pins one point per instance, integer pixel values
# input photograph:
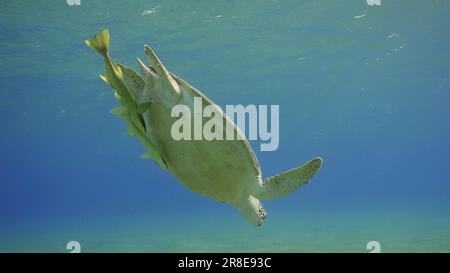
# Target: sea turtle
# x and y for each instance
(224, 170)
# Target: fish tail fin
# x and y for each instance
(100, 42)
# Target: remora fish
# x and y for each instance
(224, 170)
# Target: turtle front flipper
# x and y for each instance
(280, 185)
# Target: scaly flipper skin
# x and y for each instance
(280, 185)
(226, 171)
(252, 210)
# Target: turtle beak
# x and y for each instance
(160, 69)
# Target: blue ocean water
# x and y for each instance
(364, 87)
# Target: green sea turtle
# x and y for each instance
(224, 170)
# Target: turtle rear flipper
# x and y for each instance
(280, 185)
(251, 209)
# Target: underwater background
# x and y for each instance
(364, 87)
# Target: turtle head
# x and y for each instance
(158, 79)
